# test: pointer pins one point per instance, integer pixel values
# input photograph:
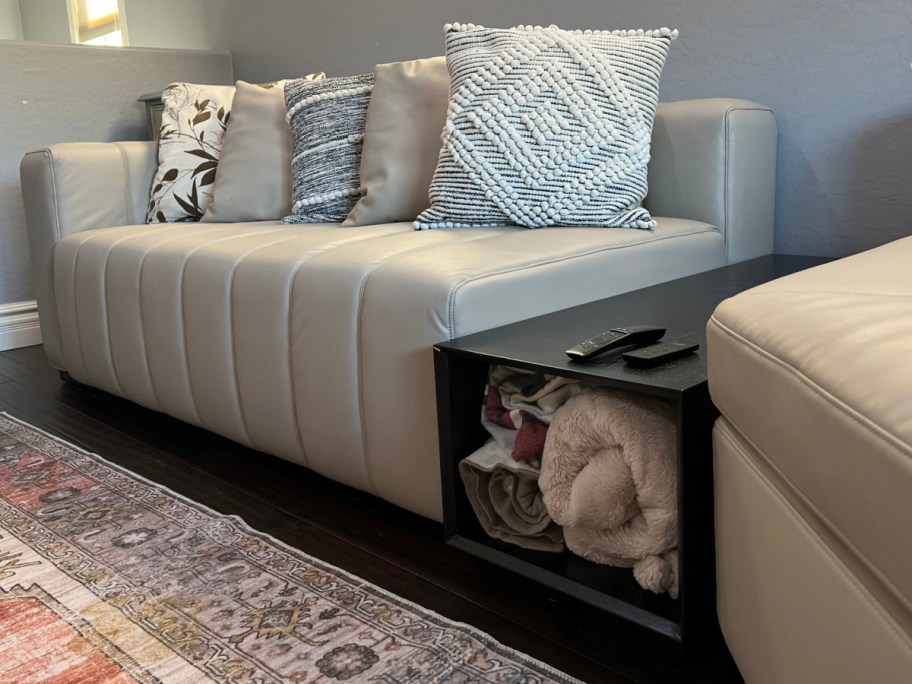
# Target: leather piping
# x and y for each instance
(890, 441)
(237, 382)
(795, 504)
(451, 301)
(368, 464)
(128, 185)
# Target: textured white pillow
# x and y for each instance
(547, 127)
(193, 126)
(253, 182)
(405, 117)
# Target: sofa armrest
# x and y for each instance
(714, 161)
(72, 187)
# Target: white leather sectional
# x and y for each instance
(314, 342)
(813, 459)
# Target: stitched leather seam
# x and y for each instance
(183, 335)
(233, 335)
(883, 435)
(368, 465)
(75, 290)
(50, 162)
(297, 268)
(451, 308)
(289, 355)
(884, 616)
(726, 192)
(128, 185)
(76, 308)
(107, 317)
(846, 293)
(183, 317)
(291, 369)
(142, 325)
(360, 330)
(726, 237)
(824, 521)
(79, 340)
(232, 340)
(845, 410)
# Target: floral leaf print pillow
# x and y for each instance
(192, 129)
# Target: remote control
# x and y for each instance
(655, 354)
(614, 338)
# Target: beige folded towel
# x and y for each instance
(609, 476)
(507, 501)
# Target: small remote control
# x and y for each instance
(614, 338)
(655, 354)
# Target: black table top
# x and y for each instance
(682, 306)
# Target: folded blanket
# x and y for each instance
(519, 405)
(609, 476)
(507, 501)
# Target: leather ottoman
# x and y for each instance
(813, 471)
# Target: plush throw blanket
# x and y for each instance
(519, 405)
(501, 478)
(507, 501)
(609, 477)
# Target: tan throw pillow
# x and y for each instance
(405, 117)
(254, 171)
(193, 126)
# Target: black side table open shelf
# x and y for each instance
(683, 306)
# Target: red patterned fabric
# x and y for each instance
(530, 432)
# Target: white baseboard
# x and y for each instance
(19, 325)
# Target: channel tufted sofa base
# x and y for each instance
(314, 342)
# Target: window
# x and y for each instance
(97, 22)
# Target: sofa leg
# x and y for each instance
(68, 379)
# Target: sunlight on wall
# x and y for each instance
(99, 22)
(112, 39)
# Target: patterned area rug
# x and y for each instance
(107, 577)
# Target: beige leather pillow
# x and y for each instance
(405, 117)
(253, 182)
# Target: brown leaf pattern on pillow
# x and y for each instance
(193, 127)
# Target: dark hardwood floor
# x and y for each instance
(397, 550)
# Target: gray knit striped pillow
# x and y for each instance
(547, 127)
(327, 127)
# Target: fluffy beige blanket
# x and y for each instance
(609, 476)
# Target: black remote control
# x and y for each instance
(655, 354)
(614, 338)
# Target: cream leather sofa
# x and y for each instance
(813, 458)
(314, 342)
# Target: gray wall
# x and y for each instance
(57, 93)
(46, 21)
(836, 72)
(196, 24)
(10, 21)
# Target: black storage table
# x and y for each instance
(682, 306)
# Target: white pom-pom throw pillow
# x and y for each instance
(547, 127)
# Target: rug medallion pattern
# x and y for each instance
(104, 572)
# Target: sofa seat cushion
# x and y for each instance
(814, 371)
(313, 342)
